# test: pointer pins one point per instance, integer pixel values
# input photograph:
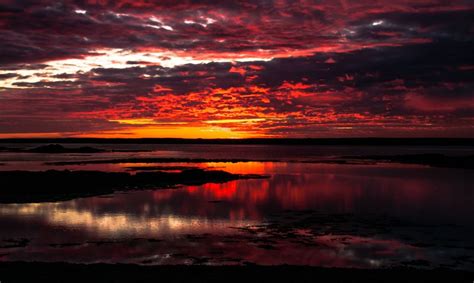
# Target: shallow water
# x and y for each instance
(314, 214)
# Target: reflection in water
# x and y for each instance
(196, 224)
(114, 225)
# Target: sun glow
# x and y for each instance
(231, 121)
(146, 121)
(171, 131)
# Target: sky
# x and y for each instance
(237, 69)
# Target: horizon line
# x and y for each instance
(438, 141)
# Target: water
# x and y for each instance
(365, 216)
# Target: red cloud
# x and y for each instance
(304, 67)
(437, 104)
(237, 70)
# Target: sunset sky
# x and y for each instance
(237, 69)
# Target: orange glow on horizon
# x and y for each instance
(186, 132)
(148, 131)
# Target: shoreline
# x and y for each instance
(99, 272)
(433, 160)
(54, 185)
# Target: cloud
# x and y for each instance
(266, 68)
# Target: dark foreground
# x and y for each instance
(53, 185)
(62, 272)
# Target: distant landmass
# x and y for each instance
(257, 141)
(57, 148)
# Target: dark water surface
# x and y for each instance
(313, 214)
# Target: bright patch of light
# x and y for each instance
(158, 24)
(156, 20)
(209, 21)
(377, 23)
(153, 26)
(107, 58)
(146, 121)
(31, 76)
(119, 15)
(228, 121)
(70, 216)
(82, 12)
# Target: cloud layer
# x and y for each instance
(237, 69)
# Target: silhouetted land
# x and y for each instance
(264, 141)
(64, 272)
(52, 185)
(156, 160)
(160, 168)
(56, 148)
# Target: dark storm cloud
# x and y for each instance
(45, 30)
(46, 125)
